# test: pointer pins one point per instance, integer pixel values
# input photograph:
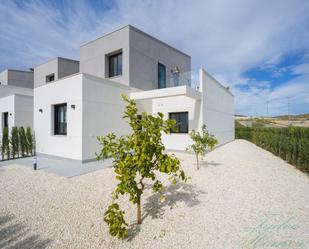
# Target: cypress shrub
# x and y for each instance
(291, 143)
(5, 144)
(244, 133)
(22, 141)
(29, 137)
(15, 142)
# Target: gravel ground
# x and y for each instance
(242, 197)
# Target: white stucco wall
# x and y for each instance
(103, 109)
(23, 111)
(178, 141)
(7, 105)
(67, 90)
(7, 90)
(174, 99)
(20, 109)
(98, 111)
(217, 108)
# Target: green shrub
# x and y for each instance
(202, 141)
(5, 144)
(22, 141)
(244, 133)
(15, 142)
(30, 146)
(291, 143)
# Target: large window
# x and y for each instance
(161, 76)
(115, 65)
(182, 122)
(60, 119)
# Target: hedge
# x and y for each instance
(291, 143)
(20, 143)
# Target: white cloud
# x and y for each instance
(301, 69)
(226, 37)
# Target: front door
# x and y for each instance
(5, 119)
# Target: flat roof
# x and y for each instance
(140, 31)
(56, 58)
(17, 70)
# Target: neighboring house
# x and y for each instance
(16, 98)
(54, 69)
(72, 111)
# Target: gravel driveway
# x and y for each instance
(242, 197)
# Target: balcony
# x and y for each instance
(190, 79)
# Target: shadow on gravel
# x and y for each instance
(15, 235)
(153, 207)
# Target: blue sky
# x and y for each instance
(258, 48)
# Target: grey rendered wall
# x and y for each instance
(42, 70)
(93, 55)
(145, 53)
(141, 54)
(20, 78)
(17, 78)
(67, 67)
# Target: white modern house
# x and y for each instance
(16, 98)
(72, 110)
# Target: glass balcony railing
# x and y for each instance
(190, 79)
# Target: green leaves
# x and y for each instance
(202, 141)
(137, 157)
(15, 142)
(5, 148)
(114, 217)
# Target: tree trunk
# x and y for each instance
(139, 211)
(197, 166)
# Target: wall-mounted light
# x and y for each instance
(41, 110)
(73, 107)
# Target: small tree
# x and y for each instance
(137, 157)
(15, 142)
(202, 141)
(5, 143)
(23, 141)
(30, 145)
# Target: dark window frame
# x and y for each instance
(58, 130)
(48, 78)
(180, 131)
(119, 65)
(160, 65)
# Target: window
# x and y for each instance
(115, 65)
(50, 78)
(60, 119)
(5, 119)
(182, 122)
(161, 76)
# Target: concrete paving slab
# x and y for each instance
(61, 167)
